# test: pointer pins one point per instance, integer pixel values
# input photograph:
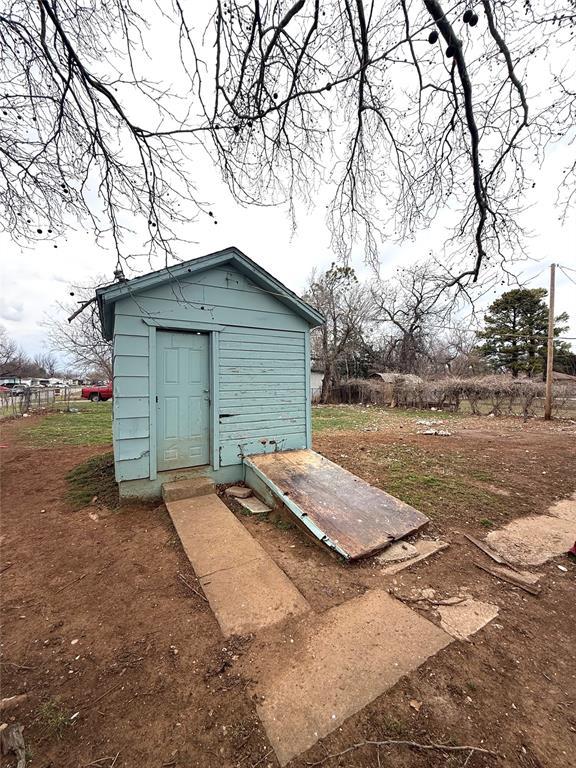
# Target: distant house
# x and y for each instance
(566, 381)
(388, 379)
(392, 377)
(211, 364)
(316, 380)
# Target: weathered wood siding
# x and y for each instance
(261, 397)
(131, 403)
(263, 402)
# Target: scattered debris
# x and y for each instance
(253, 506)
(11, 702)
(439, 432)
(511, 578)
(533, 540)
(564, 509)
(415, 704)
(428, 422)
(490, 552)
(424, 598)
(5, 567)
(562, 568)
(11, 740)
(71, 583)
(400, 550)
(103, 762)
(103, 695)
(193, 589)
(411, 744)
(467, 618)
(527, 577)
(426, 548)
(238, 492)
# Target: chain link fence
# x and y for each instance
(24, 400)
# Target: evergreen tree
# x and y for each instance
(515, 332)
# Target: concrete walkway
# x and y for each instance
(244, 586)
(336, 664)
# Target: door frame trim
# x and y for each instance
(213, 354)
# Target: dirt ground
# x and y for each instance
(97, 622)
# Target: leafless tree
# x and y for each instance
(345, 304)
(407, 110)
(47, 364)
(15, 362)
(72, 144)
(412, 310)
(80, 341)
(11, 356)
(454, 352)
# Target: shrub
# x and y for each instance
(498, 395)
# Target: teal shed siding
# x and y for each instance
(263, 403)
(260, 367)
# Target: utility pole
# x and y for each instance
(550, 354)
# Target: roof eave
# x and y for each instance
(108, 295)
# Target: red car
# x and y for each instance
(97, 393)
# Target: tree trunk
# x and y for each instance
(326, 382)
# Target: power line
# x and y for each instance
(562, 269)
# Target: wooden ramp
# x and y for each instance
(344, 512)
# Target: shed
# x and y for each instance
(316, 380)
(211, 364)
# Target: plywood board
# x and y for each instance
(339, 508)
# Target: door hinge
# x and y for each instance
(156, 398)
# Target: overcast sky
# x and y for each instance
(33, 279)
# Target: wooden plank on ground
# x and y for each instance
(347, 513)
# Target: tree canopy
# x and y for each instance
(404, 113)
(516, 330)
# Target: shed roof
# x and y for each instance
(391, 377)
(108, 295)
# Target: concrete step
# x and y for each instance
(187, 489)
(253, 506)
(245, 588)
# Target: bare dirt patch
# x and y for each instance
(96, 620)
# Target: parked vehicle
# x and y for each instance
(97, 393)
(19, 389)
